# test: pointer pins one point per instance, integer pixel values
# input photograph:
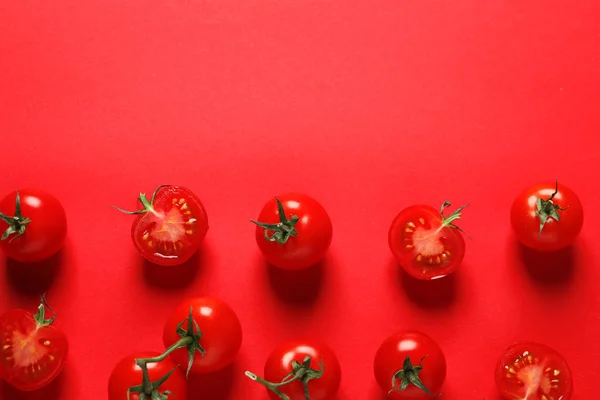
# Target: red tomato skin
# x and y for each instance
(45, 234)
(127, 374)
(390, 357)
(509, 389)
(279, 364)
(163, 203)
(556, 234)
(47, 339)
(315, 231)
(221, 334)
(450, 238)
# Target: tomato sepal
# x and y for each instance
(454, 216)
(409, 375)
(40, 316)
(149, 390)
(283, 230)
(545, 208)
(17, 223)
(148, 205)
(300, 372)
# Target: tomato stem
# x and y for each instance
(40, 316)
(545, 208)
(409, 375)
(300, 372)
(283, 230)
(190, 339)
(17, 224)
(454, 216)
(148, 205)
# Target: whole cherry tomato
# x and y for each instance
(35, 225)
(297, 367)
(32, 349)
(293, 231)
(127, 374)
(410, 365)
(214, 337)
(533, 371)
(171, 226)
(427, 244)
(546, 216)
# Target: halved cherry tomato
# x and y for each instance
(35, 225)
(171, 226)
(32, 350)
(293, 231)
(427, 244)
(410, 365)
(314, 364)
(216, 334)
(128, 374)
(533, 371)
(546, 216)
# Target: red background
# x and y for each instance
(369, 106)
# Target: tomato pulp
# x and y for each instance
(533, 371)
(426, 244)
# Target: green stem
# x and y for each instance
(40, 316)
(17, 224)
(454, 216)
(148, 204)
(409, 375)
(283, 230)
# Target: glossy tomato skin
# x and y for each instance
(390, 357)
(279, 364)
(422, 247)
(555, 234)
(533, 371)
(175, 231)
(221, 334)
(39, 357)
(314, 232)
(44, 236)
(127, 374)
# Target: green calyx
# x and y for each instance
(454, 216)
(545, 208)
(190, 339)
(145, 203)
(409, 375)
(282, 230)
(40, 316)
(300, 372)
(17, 224)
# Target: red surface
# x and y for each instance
(369, 106)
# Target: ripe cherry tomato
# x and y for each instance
(426, 243)
(32, 349)
(532, 371)
(171, 226)
(128, 374)
(293, 231)
(219, 330)
(413, 359)
(546, 216)
(35, 225)
(315, 361)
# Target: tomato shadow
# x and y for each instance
(215, 386)
(549, 268)
(51, 392)
(297, 287)
(437, 293)
(34, 278)
(176, 276)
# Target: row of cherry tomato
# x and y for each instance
(203, 335)
(293, 231)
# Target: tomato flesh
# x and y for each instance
(173, 230)
(531, 371)
(31, 357)
(422, 245)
